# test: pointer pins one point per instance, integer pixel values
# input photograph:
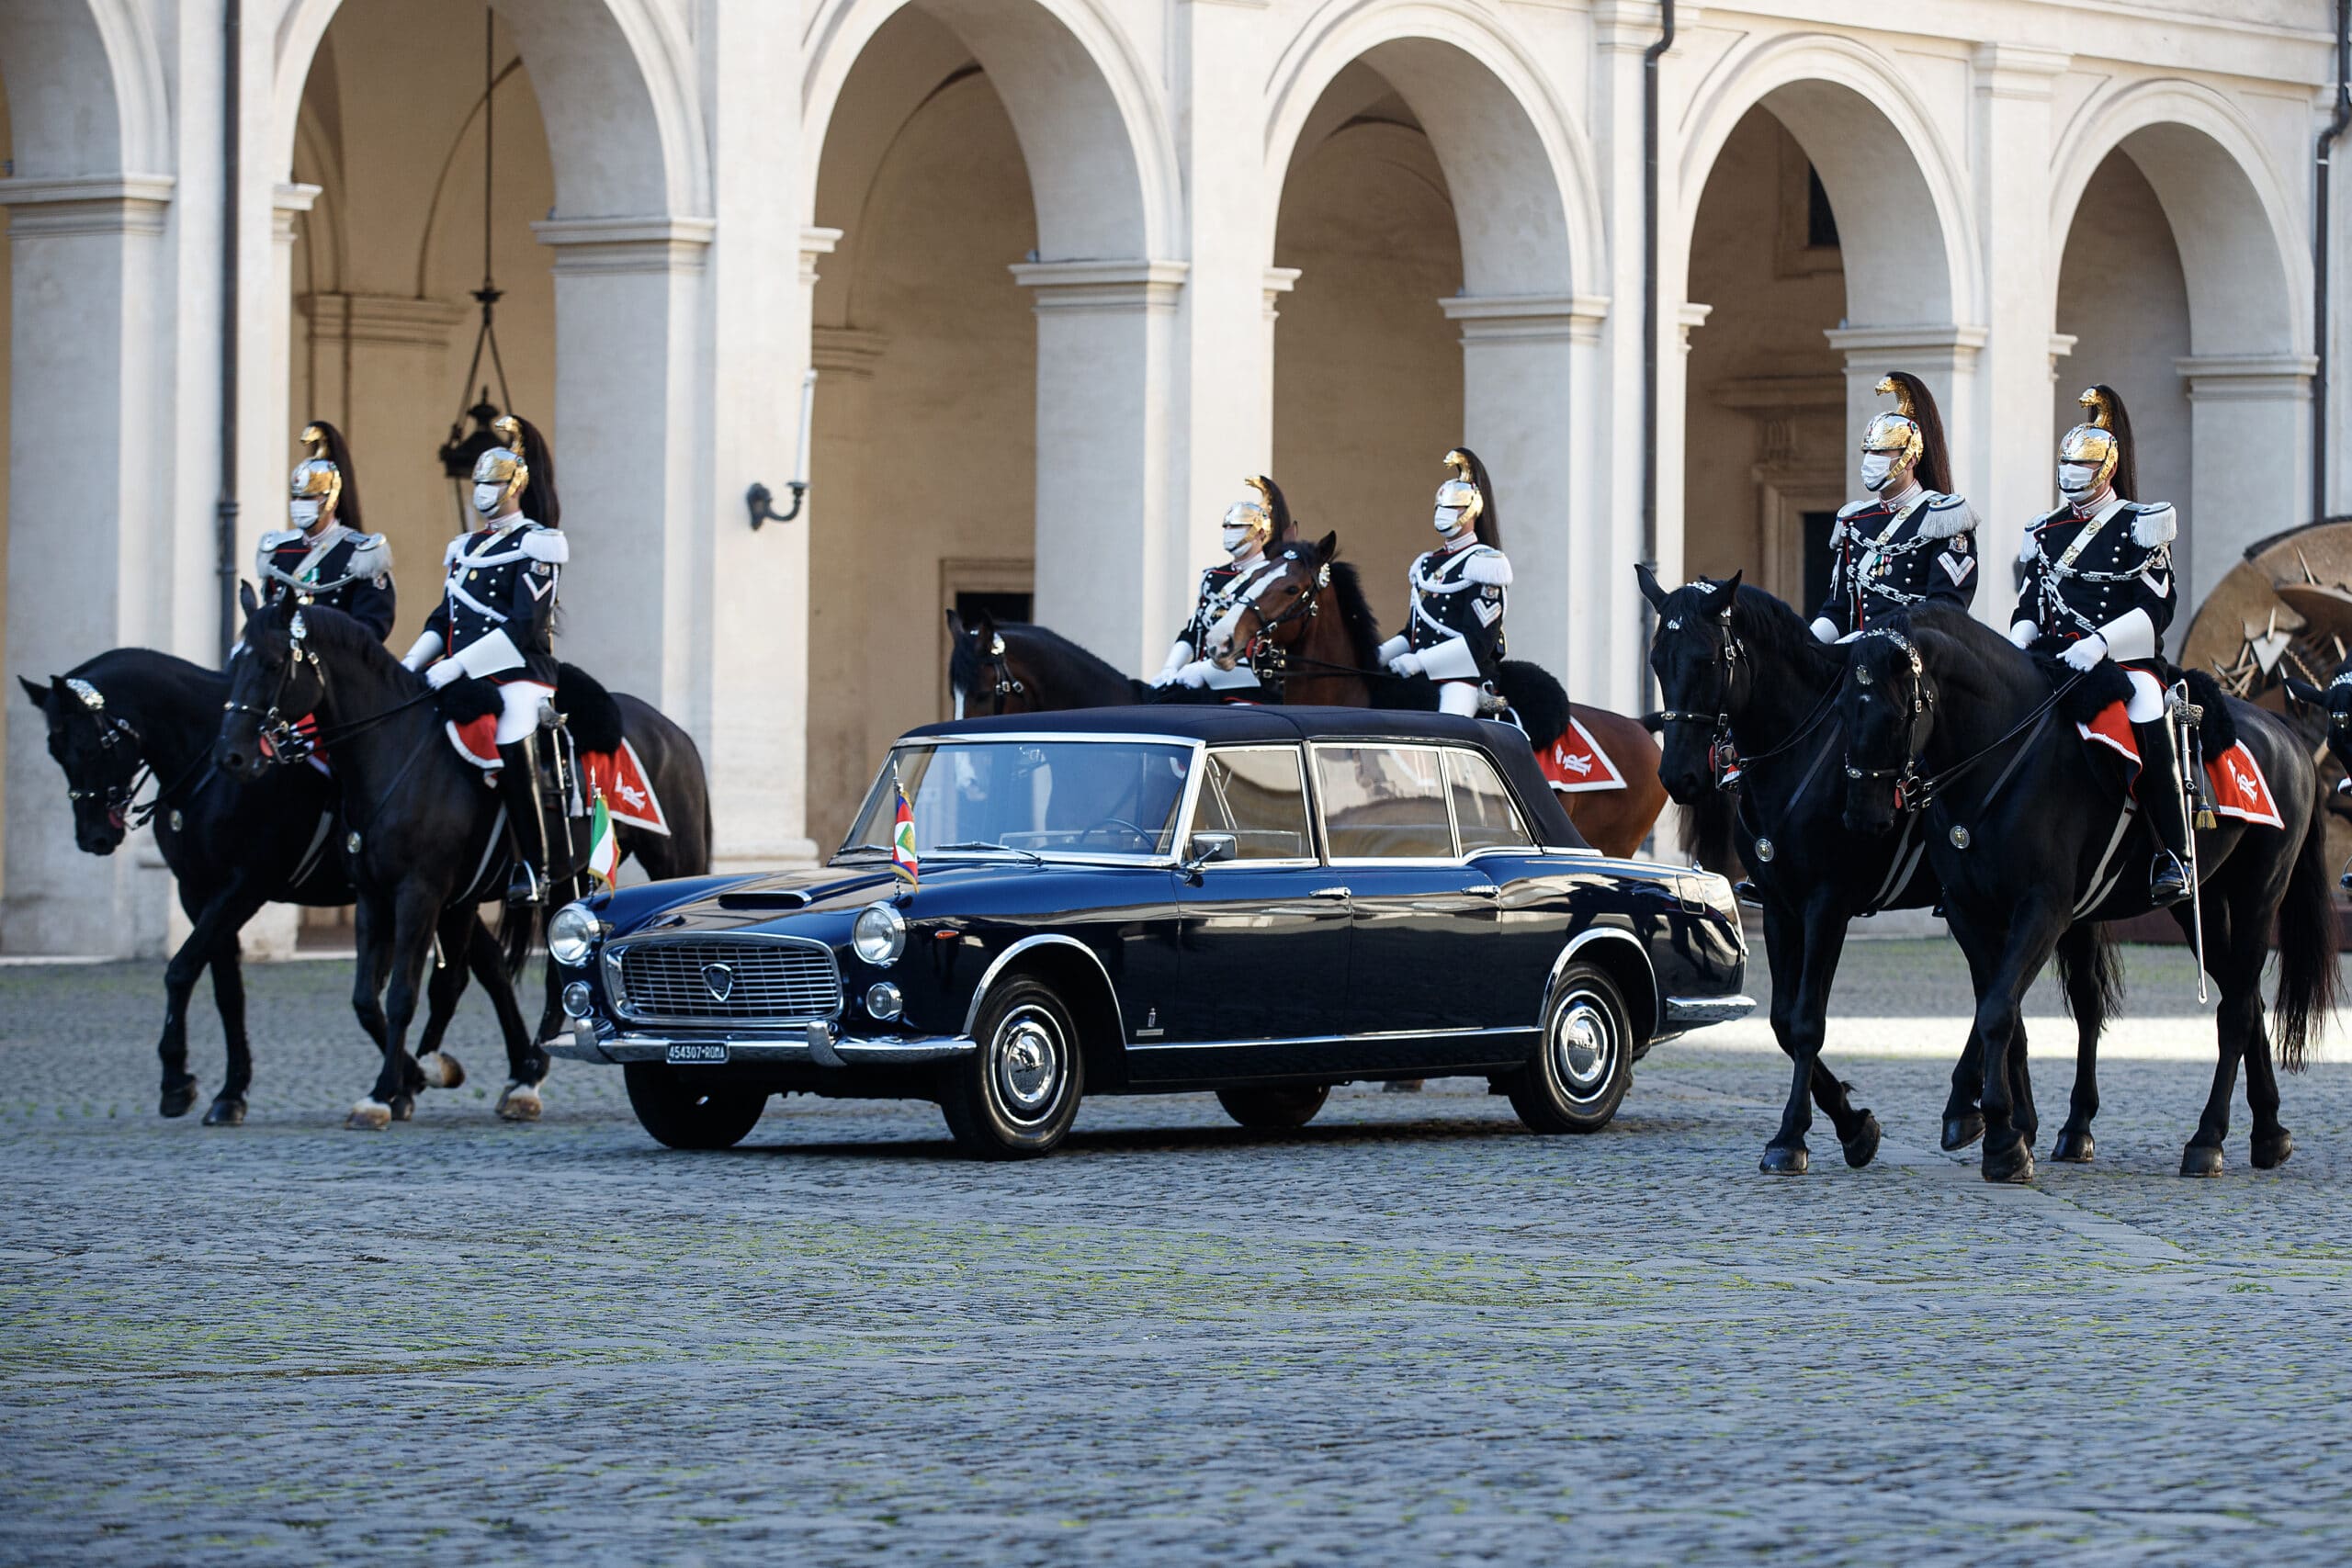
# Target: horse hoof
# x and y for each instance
(404, 1107)
(225, 1113)
(2074, 1146)
(1961, 1130)
(519, 1103)
(1785, 1160)
(368, 1116)
(2269, 1154)
(441, 1069)
(2011, 1166)
(2200, 1159)
(1862, 1147)
(180, 1096)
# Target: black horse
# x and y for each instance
(423, 837)
(231, 846)
(2028, 837)
(1740, 673)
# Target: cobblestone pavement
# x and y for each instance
(1410, 1333)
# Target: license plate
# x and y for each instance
(693, 1055)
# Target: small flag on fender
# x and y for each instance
(902, 839)
(604, 844)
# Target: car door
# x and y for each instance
(1263, 934)
(1419, 913)
(1528, 917)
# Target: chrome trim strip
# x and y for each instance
(988, 978)
(1603, 933)
(622, 1008)
(1697, 1012)
(1504, 1031)
(767, 1049)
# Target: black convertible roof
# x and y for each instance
(1228, 724)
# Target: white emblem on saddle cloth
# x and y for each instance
(1575, 764)
(628, 788)
(2240, 790)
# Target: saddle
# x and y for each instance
(2231, 782)
(584, 751)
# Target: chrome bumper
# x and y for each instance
(1697, 1012)
(822, 1042)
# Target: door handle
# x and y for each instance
(1484, 890)
(1329, 893)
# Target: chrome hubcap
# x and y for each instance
(1028, 1064)
(1584, 1047)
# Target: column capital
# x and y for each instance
(1688, 315)
(395, 319)
(2018, 71)
(106, 204)
(2247, 377)
(1631, 27)
(1102, 285)
(288, 202)
(1280, 280)
(1938, 345)
(2061, 345)
(657, 243)
(815, 242)
(1527, 318)
(849, 352)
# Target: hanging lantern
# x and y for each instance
(457, 453)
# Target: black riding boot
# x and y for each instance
(518, 786)
(2159, 795)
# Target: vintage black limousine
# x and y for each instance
(1260, 901)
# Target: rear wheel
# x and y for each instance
(1277, 1109)
(683, 1112)
(1583, 1063)
(1015, 1096)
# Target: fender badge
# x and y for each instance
(1764, 850)
(176, 820)
(351, 842)
(1959, 838)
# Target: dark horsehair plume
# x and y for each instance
(1488, 530)
(539, 502)
(1917, 403)
(338, 452)
(2105, 399)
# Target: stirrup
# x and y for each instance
(526, 886)
(2167, 880)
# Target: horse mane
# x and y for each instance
(1355, 613)
(343, 637)
(1970, 655)
(1052, 641)
(1769, 623)
(98, 668)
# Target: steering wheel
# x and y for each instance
(1148, 837)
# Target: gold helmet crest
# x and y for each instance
(316, 477)
(503, 464)
(1461, 490)
(1257, 516)
(1896, 432)
(2095, 440)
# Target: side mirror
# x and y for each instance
(1209, 849)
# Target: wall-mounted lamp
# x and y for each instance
(759, 498)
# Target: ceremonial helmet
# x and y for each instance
(1468, 494)
(324, 473)
(504, 465)
(1266, 518)
(2104, 440)
(1911, 431)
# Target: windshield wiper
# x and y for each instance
(1031, 855)
(848, 850)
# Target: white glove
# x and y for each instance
(423, 652)
(1825, 629)
(2086, 653)
(1178, 657)
(1195, 674)
(443, 673)
(1406, 664)
(1391, 649)
(2024, 633)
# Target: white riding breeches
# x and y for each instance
(2147, 703)
(521, 714)
(1458, 697)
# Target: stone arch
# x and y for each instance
(1520, 172)
(85, 89)
(1842, 100)
(616, 86)
(1101, 155)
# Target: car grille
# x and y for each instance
(671, 980)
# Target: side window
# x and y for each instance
(1258, 795)
(1386, 802)
(1482, 806)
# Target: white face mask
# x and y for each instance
(1449, 520)
(1236, 541)
(1877, 469)
(2078, 482)
(487, 497)
(305, 512)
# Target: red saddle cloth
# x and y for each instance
(1575, 763)
(628, 788)
(2239, 788)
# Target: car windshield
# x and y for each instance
(1086, 799)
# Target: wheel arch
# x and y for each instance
(1623, 957)
(1076, 974)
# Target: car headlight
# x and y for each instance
(571, 935)
(880, 934)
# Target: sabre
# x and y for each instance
(2187, 720)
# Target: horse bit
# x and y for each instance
(1911, 791)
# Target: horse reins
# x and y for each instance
(121, 800)
(1914, 791)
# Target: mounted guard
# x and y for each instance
(1457, 591)
(496, 622)
(324, 558)
(2099, 587)
(1251, 526)
(1913, 540)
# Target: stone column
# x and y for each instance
(1943, 356)
(1109, 563)
(2249, 419)
(628, 420)
(1525, 358)
(85, 536)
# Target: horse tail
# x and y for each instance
(2308, 980)
(2090, 974)
(1708, 832)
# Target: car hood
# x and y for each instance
(776, 898)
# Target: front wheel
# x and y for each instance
(1015, 1096)
(1583, 1063)
(1278, 1109)
(683, 1112)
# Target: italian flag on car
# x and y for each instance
(903, 864)
(604, 844)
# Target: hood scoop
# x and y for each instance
(764, 903)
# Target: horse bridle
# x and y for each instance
(1306, 607)
(119, 799)
(1730, 657)
(1911, 791)
(285, 741)
(1005, 685)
